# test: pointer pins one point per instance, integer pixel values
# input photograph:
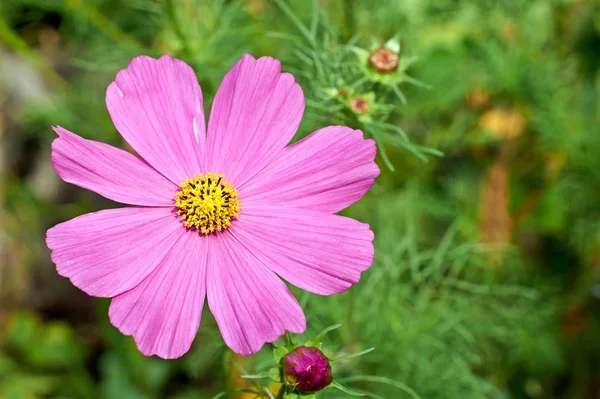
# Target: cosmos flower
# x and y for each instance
(218, 213)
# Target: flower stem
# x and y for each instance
(101, 22)
(350, 315)
(350, 19)
(281, 393)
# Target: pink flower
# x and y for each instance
(217, 214)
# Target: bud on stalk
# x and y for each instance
(306, 370)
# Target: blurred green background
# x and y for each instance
(486, 281)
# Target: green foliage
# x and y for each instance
(485, 281)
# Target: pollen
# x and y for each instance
(207, 203)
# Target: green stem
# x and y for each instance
(101, 22)
(170, 10)
(287, 338)
(349, 17)
(281, 393)
(296, 21)
(350, 323)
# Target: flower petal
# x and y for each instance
(250, 303)
(163, 312)
(112, 173)
(327, 171)
(256, 112)
(156, 105)
(109, 252)
(316, 251)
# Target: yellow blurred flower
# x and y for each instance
(274, 388)
(503, 123)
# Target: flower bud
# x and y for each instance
(384, 60)
(359, 105)
(306, 369)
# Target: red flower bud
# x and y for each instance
(306, 369)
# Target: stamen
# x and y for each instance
(207, 203)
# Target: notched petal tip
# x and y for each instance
(55, 159)
(163, 312)
(256, 112)
(273, 61)
(57, 147)
(113, 88)
(140, 342)
(265, 62)
(108, 171)
(250, 303)
(371, 234)
(371, 146)
(167, 57)
(247, 57)
(62, 132)
(146, 349)
(328, 170)
(152, 103)
(136, 63)
(313, 250)
(253, 348)
(140, 60)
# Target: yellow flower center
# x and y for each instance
(207, 203)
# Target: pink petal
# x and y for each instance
(250, 303)
(112, 173)
(327, 171)
(163, 312)
(109, 252)
(316, 251)
(256, 112)
(156, 105)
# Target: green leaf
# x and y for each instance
(353, 355)
(27, 386)
(256, 376)
(22, 331)
(57, 347)
(116, 381)
(269, 393)
(393, 43)
(289, 340)
(318, 340)
(279, 352)
(342, 388)
(272, 373)
(383, 380)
